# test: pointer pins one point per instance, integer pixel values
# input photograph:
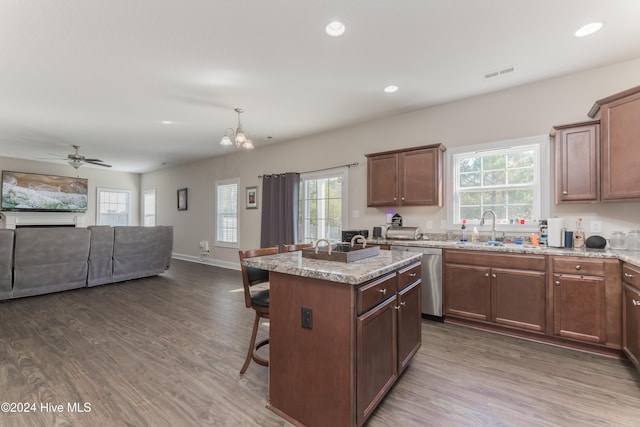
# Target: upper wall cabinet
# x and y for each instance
(619, 138)
(577, 161)
(409, 177)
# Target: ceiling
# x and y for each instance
(107, 74)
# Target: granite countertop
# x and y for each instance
(352, 273)
(632, 257)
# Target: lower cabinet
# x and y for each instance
(501, 289)
(631, 313)
(388, 335)
(587, 300)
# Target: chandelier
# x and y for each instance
(239, 136)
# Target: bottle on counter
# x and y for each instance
(463, 234)
(475, 236)
(578, 235)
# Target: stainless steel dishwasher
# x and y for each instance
(431, 280)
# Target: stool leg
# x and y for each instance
(251, 345)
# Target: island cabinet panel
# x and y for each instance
(631, 313)
(409, 323)
(337, 371)
(377, 356)
(311, 371)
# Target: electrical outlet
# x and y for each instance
(596, 226)
(307, 318)
(429, 224)
(355, 213)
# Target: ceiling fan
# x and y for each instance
(76, 159)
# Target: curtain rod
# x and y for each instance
(323, 169)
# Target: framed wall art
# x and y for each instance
(182, 199)
(252, 197)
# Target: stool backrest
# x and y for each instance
(252, 276)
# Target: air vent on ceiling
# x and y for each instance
(500, 72)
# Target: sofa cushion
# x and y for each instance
(50, 259)
(139, 251)
(100, 255)
(6, 263)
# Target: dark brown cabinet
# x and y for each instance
(577, 162)
(631, 313)
(587, 300)
(620, 133)
(409, 315)
(406, 177)
(506, 290)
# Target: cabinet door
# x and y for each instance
(631, 323)
(579, 307)
(421, 177)
(467, 291)
(620, 136)
(577, 163)
(377, 363)
(409, 324)
(382, 184)
(519, 298)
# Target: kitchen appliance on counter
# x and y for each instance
(347, 235)
(431, 260)
(404, 233)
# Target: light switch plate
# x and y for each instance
(355, 213)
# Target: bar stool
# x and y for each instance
(258, 301)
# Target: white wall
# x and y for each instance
(103, 178)
(515, 113)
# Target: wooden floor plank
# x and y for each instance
(166, 351)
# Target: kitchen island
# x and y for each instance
(340, 334)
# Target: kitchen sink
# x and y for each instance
(341, 252)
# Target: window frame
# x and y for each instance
(144, 207)
(223, 243)
(341, 172)
(542, 172)
(100, 190)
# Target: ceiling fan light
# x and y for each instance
(226, 140)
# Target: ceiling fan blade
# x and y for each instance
(92, 160)
(97, 163)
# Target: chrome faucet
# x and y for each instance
(493, 227)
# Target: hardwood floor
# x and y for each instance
(166, 351)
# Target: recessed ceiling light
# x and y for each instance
(167, 122)
(335, 28)
(588, 29)
(391, 89)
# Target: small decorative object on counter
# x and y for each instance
(463, 234)
(543, 232)
(578, 235)
(396, 220)
(568, 239)
(618, 240)
(535, 239)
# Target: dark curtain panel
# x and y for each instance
(279, 209)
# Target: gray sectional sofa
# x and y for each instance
(36, 261)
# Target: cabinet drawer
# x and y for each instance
(631, 275)
(408, 275)
(581, 266)
(375, 292)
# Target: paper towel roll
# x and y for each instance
(554, 227)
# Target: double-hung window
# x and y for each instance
(509, 177)
(323, 205)
(149, 208)
(227, 213)
(113, 207)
